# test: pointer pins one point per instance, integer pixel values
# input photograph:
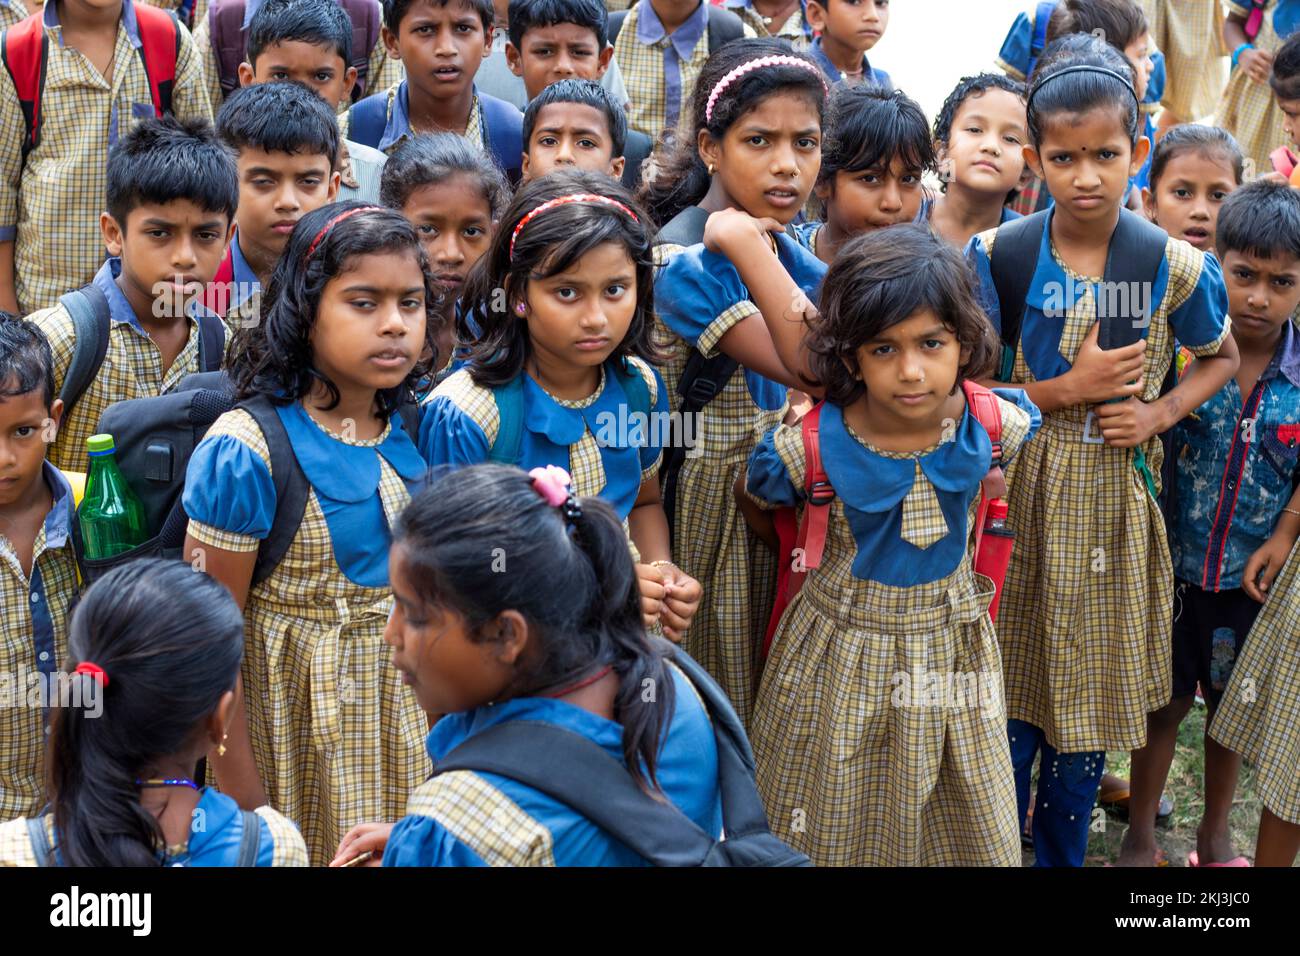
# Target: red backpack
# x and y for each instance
(25, 45)
(806, 540)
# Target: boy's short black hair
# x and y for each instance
(26, 363)
(318, 22)
(588, 93)
(1261, 218)
(163, 160)
(527, 14)
(285, 117)
(396, 10)
(1285, 78)
(867, 127)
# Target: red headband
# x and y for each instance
(334, 222)
(94, 670)
(563, 201)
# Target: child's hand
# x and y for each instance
(1265, 564)
(1128, 423)
(1098, 374)
(651, 582)
(681, 601)
(730, 232)
(363, 837)
(1257, 64)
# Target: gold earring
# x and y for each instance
(710, 169)
(221, 748)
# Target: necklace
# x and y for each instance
(173, 782)
(586, 682)
(781, 15)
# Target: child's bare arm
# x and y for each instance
(8, 287)
(648, 526)
(1263, 566)
(759, 520)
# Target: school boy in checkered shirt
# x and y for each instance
(95, 87)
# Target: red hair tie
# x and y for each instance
(94, 670)
(334, 222)
(564, 201)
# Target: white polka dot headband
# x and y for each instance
(777, 60)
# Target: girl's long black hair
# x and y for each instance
(682, 178)
(548, 244)
(170, 640)
(1105, 82)
(274, 357)
(572, 580)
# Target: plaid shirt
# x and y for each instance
(51, 205)
(34, 640)
(796, 27)
(132, 366)
(11, 12)
(659, 69)
(399, 129)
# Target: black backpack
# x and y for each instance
(155, 438)
(580, 774)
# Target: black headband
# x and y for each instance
(1082, 68)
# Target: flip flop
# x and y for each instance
(1116, 802)
(1194, 860)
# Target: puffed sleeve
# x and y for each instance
(1201, 321)
(449, 435)
(699, 296)
(1013, 58)
(776, 468)
(986, 293)
(1155, 85)
(229, 495)
(1021, 419)
(652, 452)
(423, 841)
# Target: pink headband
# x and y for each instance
(563, 201)
(762, 61)
(348, 214)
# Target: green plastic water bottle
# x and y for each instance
(112, 517)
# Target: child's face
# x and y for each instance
(275, 191)
(1185, 200)
(768, 159)
(440, 46)
(369, 328)
(1290, 119)
(985, 151)
(562, 51)
(858, 24)
(1087, 161)
(861, 200)
(169, 252)
(578, 317)
(570, 136)
(911, 368)
(1263, 293)
(455, 226)
(320, 67)
(26, 425)
(1139, 57)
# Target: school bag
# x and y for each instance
(156, 438)
(724, 26)
(1137, 248)
(580, 774)
(250, 840)
(1042, 14)
(503, 133)
(25, 46)
(229, 35)
(806, 538)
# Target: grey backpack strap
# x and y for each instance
(40, 838)
(90, 324)
(250, 840)
(724, 26)
(212, 343)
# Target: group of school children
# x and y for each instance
(438, 517)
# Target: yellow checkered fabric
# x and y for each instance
(713, 543)
(16, 844)
(1085, 619)
(473, 128)
(22, 727)
(338, 740)
(1248, 109)
(55, 200)
(790, 30)
(613, 6)
(1259, 716)
(859, 763)
(200, 8)
(1190, 34)
(289, 847)
(484, 819)
(643, 75)
(132, 368)
(14, 12)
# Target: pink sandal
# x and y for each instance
(1194, 860)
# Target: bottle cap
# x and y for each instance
(100, 444)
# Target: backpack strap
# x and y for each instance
(614, 24)
(1042, 14)
(367, 119)
(1137, 247)
(365, 16)
(40, 839)
(724, 26)
(684, 229)
(702, 380)
(409, 413)
(226, 32)
(250, 839)
(90, 325)
(983, 404)
(23, 48)
(216, 297)
(160, 45)
(820, 494)
(291, 487)
(504, 132)
(212, 343)
(634, 386)
(185, 13)
(510, 414)
(1016, 245)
